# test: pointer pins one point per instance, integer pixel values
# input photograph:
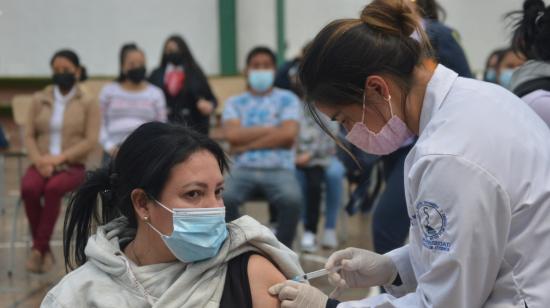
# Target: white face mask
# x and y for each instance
(390, 138)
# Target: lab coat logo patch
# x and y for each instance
(433, 222)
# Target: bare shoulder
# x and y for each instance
(262, 274)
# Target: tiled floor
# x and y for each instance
(27, 290)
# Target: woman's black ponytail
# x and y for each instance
(84, 214)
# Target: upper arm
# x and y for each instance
(94, 120)
(30, 117)
(290, 108)
(104, 98)
(230, 111)
(262, 274)
(30, 129)
(291, 114)
(459, 225)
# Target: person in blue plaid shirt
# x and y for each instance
(261, 125)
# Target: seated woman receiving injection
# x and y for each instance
(162, 239)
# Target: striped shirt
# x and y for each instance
(123, 111)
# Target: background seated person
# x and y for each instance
(261, 126)
(129, 101)
(61, 131)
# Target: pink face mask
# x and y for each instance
(390, 138)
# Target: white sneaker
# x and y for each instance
(308, 242)
(329, 240)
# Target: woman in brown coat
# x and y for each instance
(61, 130)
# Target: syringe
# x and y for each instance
(315, 274)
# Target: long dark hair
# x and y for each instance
(73, 58)
(124, 50)
(531, 34)
(347, 51)
(144, 161)
(189, 63)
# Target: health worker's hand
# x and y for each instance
(293, 294)
(360, 269)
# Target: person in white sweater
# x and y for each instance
(129, 101)
(162, 239)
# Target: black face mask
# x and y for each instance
(136, 75)
(175, 58)
(65, 81)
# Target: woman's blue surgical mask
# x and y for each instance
(505, 78)
(261, 80)
(491, 75)
(198, 232)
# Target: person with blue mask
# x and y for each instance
(162, 239)
(261, 126)
(506, 67)
(490, 71)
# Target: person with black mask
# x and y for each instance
(129, 101)
(61, 131)
(188, 95)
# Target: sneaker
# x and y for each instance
(308, 242)
(329, 240)
(34, 262)
(48, 262)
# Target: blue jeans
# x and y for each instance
(279, 186)
(333, 176)
(334, 180)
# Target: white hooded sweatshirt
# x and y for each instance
(110, 279)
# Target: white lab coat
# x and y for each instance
(477, 185)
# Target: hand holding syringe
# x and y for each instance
(315, 274)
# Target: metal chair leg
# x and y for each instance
(11, 267)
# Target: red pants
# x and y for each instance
(42, 217)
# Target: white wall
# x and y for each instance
(479, 22)
(31, 31)
(256, 25)
(305, 18)
(481, 25)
